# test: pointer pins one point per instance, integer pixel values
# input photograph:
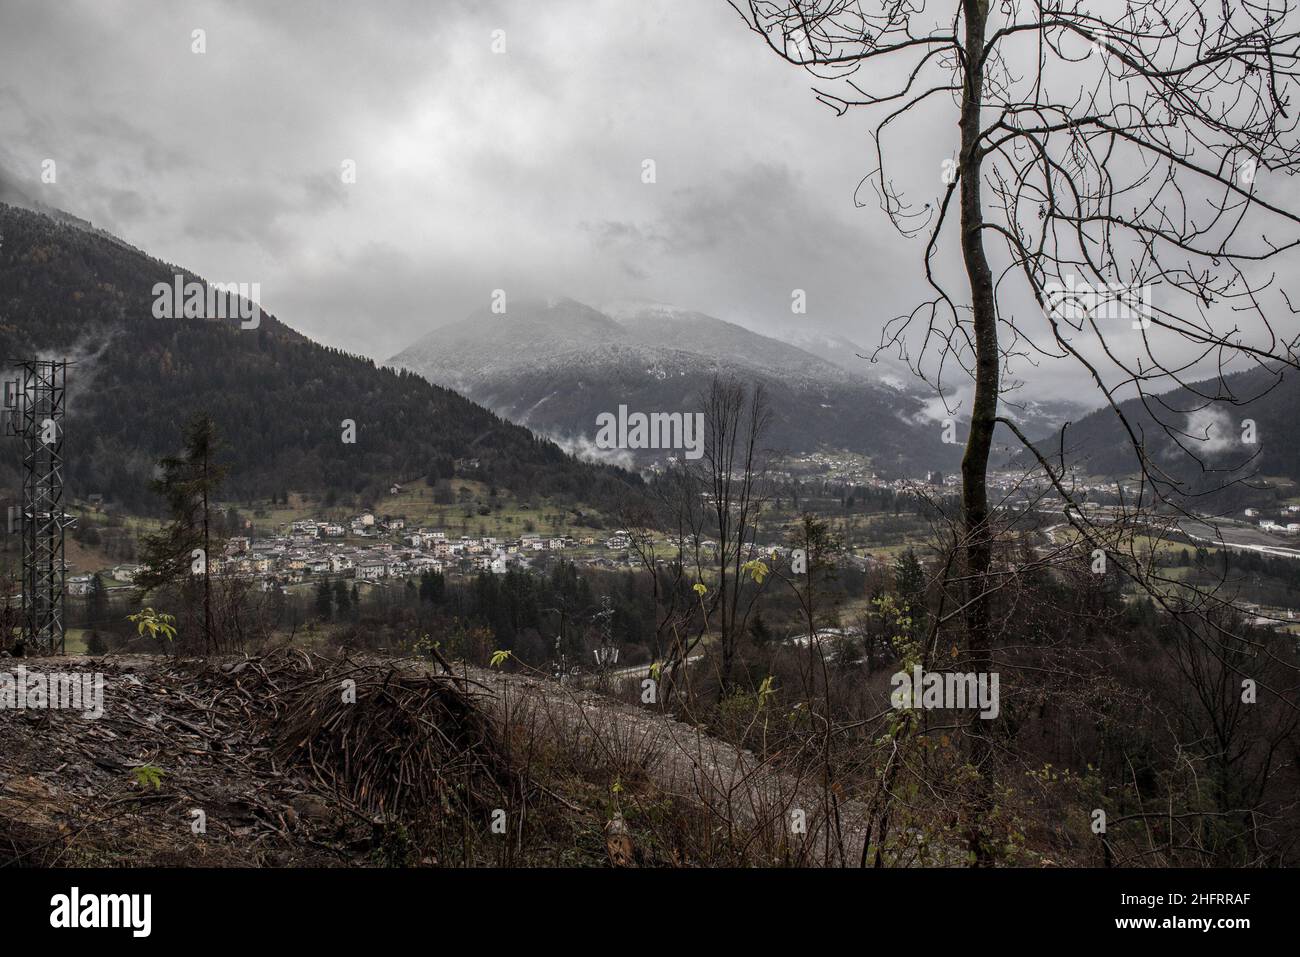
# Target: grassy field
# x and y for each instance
(1140, 542)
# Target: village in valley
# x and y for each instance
(464, 528)
(405, 536)
(370, 548)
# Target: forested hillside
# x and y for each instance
(1214, 423)
(279, 398)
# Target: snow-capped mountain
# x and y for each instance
(556, 365)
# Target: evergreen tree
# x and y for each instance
(188, 483)
(909, 581)
(433, 588)
(97, 611)
(323, 600)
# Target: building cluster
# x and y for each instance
(1281, 526)
(81, 585)
(370, 548)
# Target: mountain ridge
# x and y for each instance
(557, 364)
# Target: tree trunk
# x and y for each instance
(207, 558)
(974, 465)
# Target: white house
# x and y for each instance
(370, 568)
(126, 573)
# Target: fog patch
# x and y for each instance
(586, 449)
(1212, 431)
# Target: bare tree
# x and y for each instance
(667, 511)
(1115, 196)
(730, 475)
(710, 509)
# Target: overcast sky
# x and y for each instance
(475, 170)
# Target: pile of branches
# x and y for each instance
(393, 744)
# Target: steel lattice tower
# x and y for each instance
(35, 403)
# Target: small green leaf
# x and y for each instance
(154, 623)
(148, 775)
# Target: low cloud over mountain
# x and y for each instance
(555, 365)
